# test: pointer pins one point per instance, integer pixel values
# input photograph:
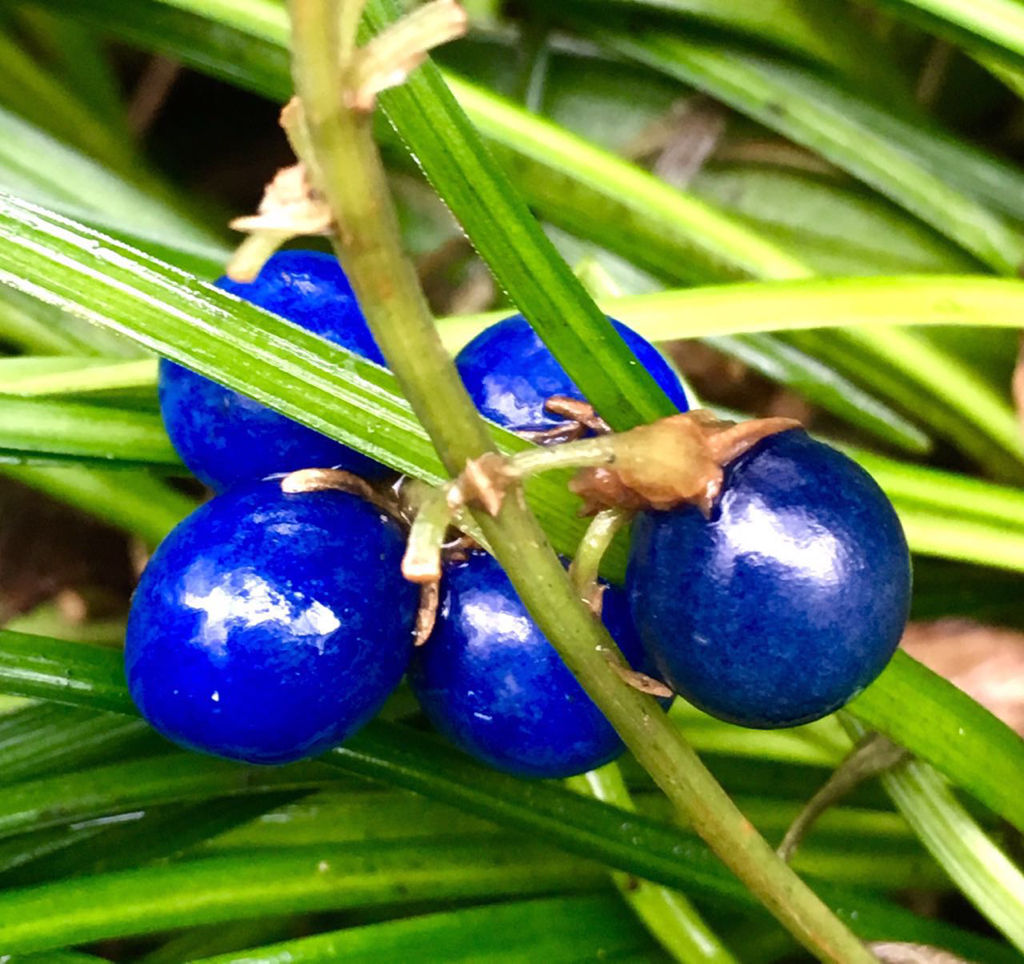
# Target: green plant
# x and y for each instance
(88, 234)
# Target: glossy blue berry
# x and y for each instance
(267, 626)
(225, 437)
(490, 681)
(788, 601)
(510, 373)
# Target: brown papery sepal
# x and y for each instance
(676, 460)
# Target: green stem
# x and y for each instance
(870, 757)
(595, 542)
(349, 15)
(667, 914)
(569, 455)
(350, 175)
(422, 560)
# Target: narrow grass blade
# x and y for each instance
(839, 853)
(837, 227)
(794, 24)
(59, 375)
(822, 385)
(205, 940)
(41, 329)
(136, 784)
(66, 375)
(753, 307)
(36, 165)
(305, 879)
(945, 492)
(78, 55)
(89, 431)
(38, 667)
(912, 706)
(949, 396)
(585, 188)
(978, 867)
(129, 499)
(995, 27)
(50, 738)
(668, 915)
(836, 125)
(130, 840)
(563, 929)
(37, 95)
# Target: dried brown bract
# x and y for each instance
(484, 482)
(289, 204)
(891, 952)
(641, 681)
(675, 460)
(426, 615)
(338, 480)
(388, 59)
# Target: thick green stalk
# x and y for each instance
(671, 919)
(348, 172)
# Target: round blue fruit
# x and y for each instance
(268, 627)
(490, 681)
(510, 373)
(225, 437)
(788, 601)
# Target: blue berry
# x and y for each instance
(510, 373)
(268, 626)
(491, 682)
(788, 601)
(225, 437)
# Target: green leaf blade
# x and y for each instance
(306, 879)
(949, 730)
(563, 929)
(819, 116)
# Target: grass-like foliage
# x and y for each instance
(826, 194)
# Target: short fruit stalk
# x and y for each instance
(337, 146)
(676, 460)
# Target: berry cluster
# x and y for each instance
(272, 623)
(269, 626)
